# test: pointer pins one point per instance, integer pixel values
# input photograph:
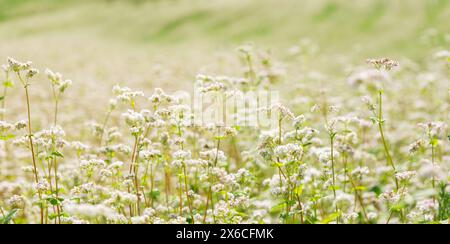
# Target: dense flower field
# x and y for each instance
(376, 153)
(235, 111)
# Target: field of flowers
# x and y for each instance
(123, 118)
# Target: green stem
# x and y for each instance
(385, 145)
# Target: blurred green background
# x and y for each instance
(382, 25)
(186, 34)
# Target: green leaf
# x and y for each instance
(53, 216)
(434, 142)
(397, 207)
(154, 194)
(6, 137)
(8, 83)
(1, 98)
(298, 190)
(57, 154)
(5, 220)
(278, 208)
(330, 218)
(360, 188)
(189, 220)
(376, 190)
(54, 201)
(276, 164)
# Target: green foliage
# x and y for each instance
(9, 216)
(444, 202)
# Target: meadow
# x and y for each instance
(209, 112)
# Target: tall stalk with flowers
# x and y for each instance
(386, 65)
(25, 72)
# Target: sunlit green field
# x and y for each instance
(359, 132)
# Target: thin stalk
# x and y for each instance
(332, 164)
(433, 180)
(209, 194)
(180, 196)
(385, 145)
(359, 197)
(187, 194)
(136, 183)
(131, 168)
(105, 122)
(5, 89)
(30, 137)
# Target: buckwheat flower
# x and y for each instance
(79, 146)
(343, 199)
(90, 164)
(27, 169)
(96, 128)
(5, 126)
(405, 175)
(6, 68)
(390, 196)
(430, 171)
(212, 86)
(315, 108)
(149, 212)
(212, 154)
(242, 173)
(360, 171)
(89, 211)
(150, 154)
(331, 127)
(283, 111)
(116, 165)
(433, 128)
(55, 77)
(112, 104)
(140, 220)
(368, 77)
(41, 186)
(230, 132)
(73, 220)
(64, 85)
(20, 125)
(121, 148)
(117, 90)
(288, 150)
(416, 146)
(182, 154)
(118, 219)
(349, 217)
(106, 173)
(17, 66)
(176, 164)
(427, 206)
(31, 73)
(368, 101)
(365, 123)
(385, 63)
(196, 163)
(16, 202)
(298, 121)
(372, 215)
(217, 187)
(122, 198)
(443, 54)
(259, 213)
(133, 118)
